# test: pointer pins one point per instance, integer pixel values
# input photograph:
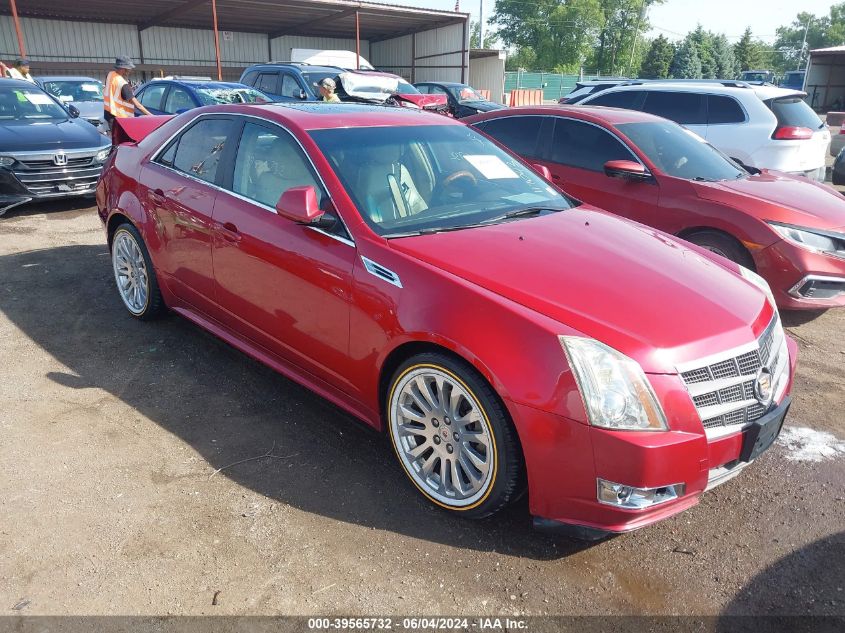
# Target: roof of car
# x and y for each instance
(67, 78)
(315, 115)
(763, 91)
(613, 116)
(303, 67)
(451, 84)
(20, 83)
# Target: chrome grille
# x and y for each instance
(42, 177)
(722, 387)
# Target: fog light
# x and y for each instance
(632, 498)
(6, 161)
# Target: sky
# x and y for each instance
(675, 18)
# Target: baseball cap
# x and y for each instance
(326, 82)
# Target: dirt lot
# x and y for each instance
(113, 433)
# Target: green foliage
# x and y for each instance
(748, 52)
(475, 35)
(686, 64)
(658, 59)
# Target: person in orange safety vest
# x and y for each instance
(118, 98)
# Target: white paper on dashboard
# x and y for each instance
(490, 166)
(38, 99)
(90, 87)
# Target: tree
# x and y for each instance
(622, 24)
(723, 53)
(475, 35)
(686, 64)
(703, 43)
(560, 34)
(658, 59)
(524, 58)
(748, 52)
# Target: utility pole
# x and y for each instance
(480, 23)
(636, 35)
(803, 44)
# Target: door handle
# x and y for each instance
(555, 177)
(157, 195)
(230, 232)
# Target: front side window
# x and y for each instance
(290, 86)
(178, 100)
(410, 179)
(520, 134)
(585, 146)
(680, 153)
(686, 108)
(200, 148)
(28, 104)
(268, 163)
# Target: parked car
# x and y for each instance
(838, 175)
(288, 81)
(761, 76)
(584, 89)
(793, 79)
(789, 229)
(463, 100)
(84, 93)
(375, 86)
(421, 278)
(172, 96)
(46, 151)
(761, 126)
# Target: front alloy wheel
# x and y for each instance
(452, 435)
(134, 274)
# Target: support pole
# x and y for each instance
(216, 40)
(464, 52)
(480, 24)
(18, 31)
(357, 42)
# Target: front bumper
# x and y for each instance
(565, 458)
(801, 279)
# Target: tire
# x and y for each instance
(474, 477)
(134, 274)
(724, 245)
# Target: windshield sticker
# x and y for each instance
(90, 87)
(65, 98)
(38, 99)
(490, 166)
(526, 198)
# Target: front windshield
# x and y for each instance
(466, 94)
(680, 153)
(75, 90)
(235, 94)
(28, 104)
(414, 178)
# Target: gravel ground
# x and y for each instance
(118, 493)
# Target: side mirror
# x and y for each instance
(626, 170)
(302, 94)
(542, 170)
(73, 110)
(300, 204)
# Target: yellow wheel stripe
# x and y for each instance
(483, 415)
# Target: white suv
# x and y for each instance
(759, 125)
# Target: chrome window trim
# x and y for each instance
(348, 241)
(793, 292)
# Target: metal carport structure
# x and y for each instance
(178, 36)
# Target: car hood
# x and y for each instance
(426, 101)
(483, 106)
(49, 136)
(643, 292)
(772, 195)
(89, 109)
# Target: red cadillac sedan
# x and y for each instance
(789, 229)
(504, 336)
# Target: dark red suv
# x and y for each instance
(789, 229)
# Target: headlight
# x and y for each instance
(810, 240)
(6, 161)
(103, 154)
(614, 389)
(761, 283)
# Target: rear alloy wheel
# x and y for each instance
(452, 436)
(134, 274)
(724, 245)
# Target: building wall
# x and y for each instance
(191, 47)
(825, 82)
(436, 54)
(488, 73)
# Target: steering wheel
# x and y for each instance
(447, 187)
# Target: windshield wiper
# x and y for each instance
(520, 213)
(516, 213)
(703, 179)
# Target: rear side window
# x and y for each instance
(249, 78)
(623, 99)
(686, 108)
(794, 111)
(268, 82)
(517, 133)
(585, 146)
(151, 98)
(200, 148)
(722, 109)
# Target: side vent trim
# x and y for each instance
(385, 274)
